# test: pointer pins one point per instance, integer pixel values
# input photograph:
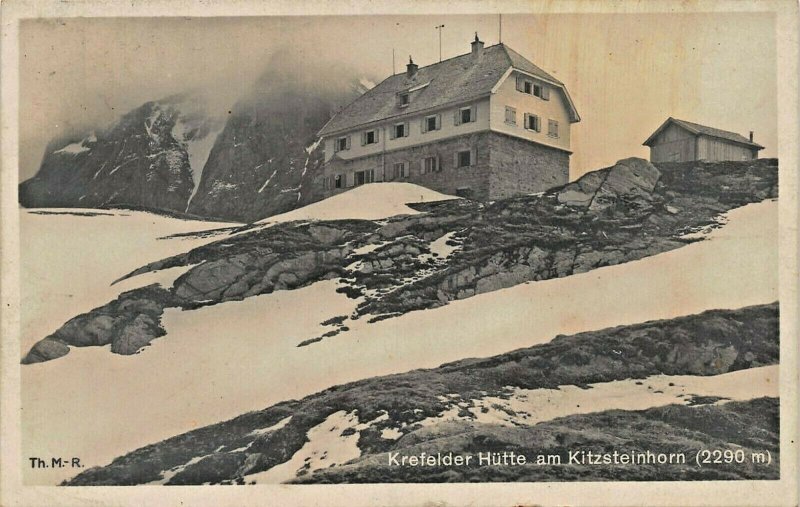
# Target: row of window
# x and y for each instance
(531, 122)
(533, 88)
(427, 165)
(428, 123)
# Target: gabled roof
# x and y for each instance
(457, 79)
(697, 129)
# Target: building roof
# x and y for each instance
(457, 79)
(697, 129)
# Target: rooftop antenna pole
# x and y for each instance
(500, 36)
(439, 28)
(393, 71)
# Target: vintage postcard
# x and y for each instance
(399, 253)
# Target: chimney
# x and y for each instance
(477, 46)
(751, 136)
(411, 68)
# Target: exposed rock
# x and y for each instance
(45, 350)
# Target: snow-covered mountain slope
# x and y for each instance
(192, 366)
(150, 158)
(478, 405)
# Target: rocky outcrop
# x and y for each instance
(147, 159)
(630, 180)
(128, 323)
(710, 343)
(633, 210)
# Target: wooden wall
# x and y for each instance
(673, 144)
(712, 149)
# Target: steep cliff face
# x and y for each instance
(265, 159)
(148, 158)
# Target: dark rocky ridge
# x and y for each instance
(143, 161)
(265, 160)
(710, 343)
(615, 215)
(262, 162)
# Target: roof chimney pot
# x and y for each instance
(751, 136)
(411, 68)
(477, 46)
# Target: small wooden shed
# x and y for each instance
(682, 141)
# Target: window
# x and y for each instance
(399, 130)
(369, 137)
(552, 128)
(337, 181)
(465, 115)
(363, 177)
(433, 122)
(403, 99)
(511, 115)
(400, 170)
(464, 158)
(536, 89)
(430, 164)
(532, 122)
(342, 143)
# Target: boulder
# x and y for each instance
(45, 350)
(631, 178)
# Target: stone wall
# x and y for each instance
(472, 181)
(522, 167)
(504, 166)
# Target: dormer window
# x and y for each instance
(528, 87)
(531, 88)
(466, 114)
(403, 99)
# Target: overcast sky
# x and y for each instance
(626, 72)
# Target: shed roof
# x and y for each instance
(457, 79)
(697, 129)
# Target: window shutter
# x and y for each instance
(545, 92)
(377, 135)
(438, 163)
(473, 156)
(520, 84)
(438, 121)
(422, 166)
(457, 117)
(406, 129)
(393, 132)
(473, 113)
(347, 143)
(363, 138)
(525, 121)
(335, 145)
(423, 126)
(455, 159)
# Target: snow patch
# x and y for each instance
(366, 202)
(268, 180)
(278, 425)
(74, 148)
(526, 407)
(326, 447)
